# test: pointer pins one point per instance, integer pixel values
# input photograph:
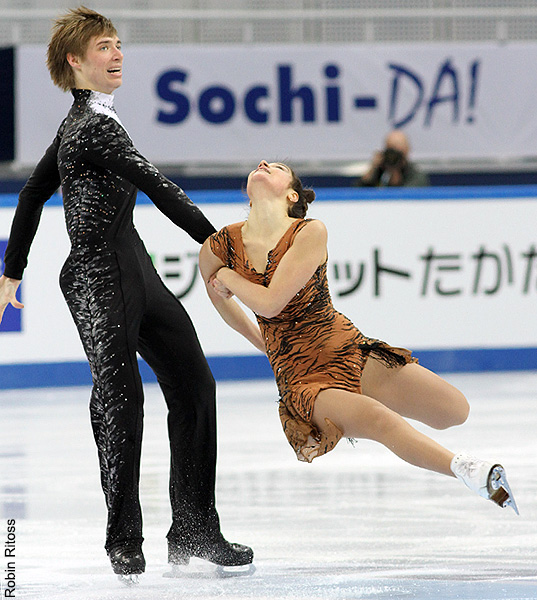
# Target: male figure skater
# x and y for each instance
(119, 303)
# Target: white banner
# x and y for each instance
(425, 274)
(192, 104)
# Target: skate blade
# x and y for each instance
(129, 580)
(239, 571)
(501, 492)
(208, 571)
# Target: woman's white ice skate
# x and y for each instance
(485, 478)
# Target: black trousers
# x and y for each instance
(121, 306)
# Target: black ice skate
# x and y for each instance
(230, 559)
(127, 562)
(485, 478)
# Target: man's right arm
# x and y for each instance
(43, 182)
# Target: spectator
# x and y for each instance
(392, 167)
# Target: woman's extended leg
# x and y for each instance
(360, 416)
(415, 392)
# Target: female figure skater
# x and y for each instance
(119, 303)
(333, 381)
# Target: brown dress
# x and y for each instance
(310, 346)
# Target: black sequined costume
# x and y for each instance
(120, 307)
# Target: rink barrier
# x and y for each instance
(463, 192)
(519, 355)
(240, 368)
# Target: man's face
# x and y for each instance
(101, 67)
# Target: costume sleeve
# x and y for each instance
(43, 182)
(114, 151)
(220, 245)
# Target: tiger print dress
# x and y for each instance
(310, 345)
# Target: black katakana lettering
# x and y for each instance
(182, 270)
(380, 269)
(345, 272)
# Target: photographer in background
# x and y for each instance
(391, 167)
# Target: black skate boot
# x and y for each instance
(127, 562)
(225, 555)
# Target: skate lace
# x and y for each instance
(468, 467)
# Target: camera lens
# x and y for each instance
(392, 157)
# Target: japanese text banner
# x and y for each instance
(458, 272)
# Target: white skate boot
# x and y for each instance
(485, 478)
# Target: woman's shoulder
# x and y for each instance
(316, 224)
(311, 227)
(311, 232)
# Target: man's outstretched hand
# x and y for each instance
(8, 289)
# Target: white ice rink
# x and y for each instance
(356, 524)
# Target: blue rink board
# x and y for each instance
(230, 368)
(356, 194)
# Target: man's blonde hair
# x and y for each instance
(71, 33)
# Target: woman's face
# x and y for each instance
(275, 176)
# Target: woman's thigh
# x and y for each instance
(360, 416)
(356, 415)
(415, 392)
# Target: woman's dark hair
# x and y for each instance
(305, 197)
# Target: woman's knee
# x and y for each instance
(462, 409)
(381, 423)
(456, 411)
(371, 420)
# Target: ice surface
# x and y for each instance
(356, 524)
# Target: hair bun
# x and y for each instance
(309, 195)
(305, 197)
